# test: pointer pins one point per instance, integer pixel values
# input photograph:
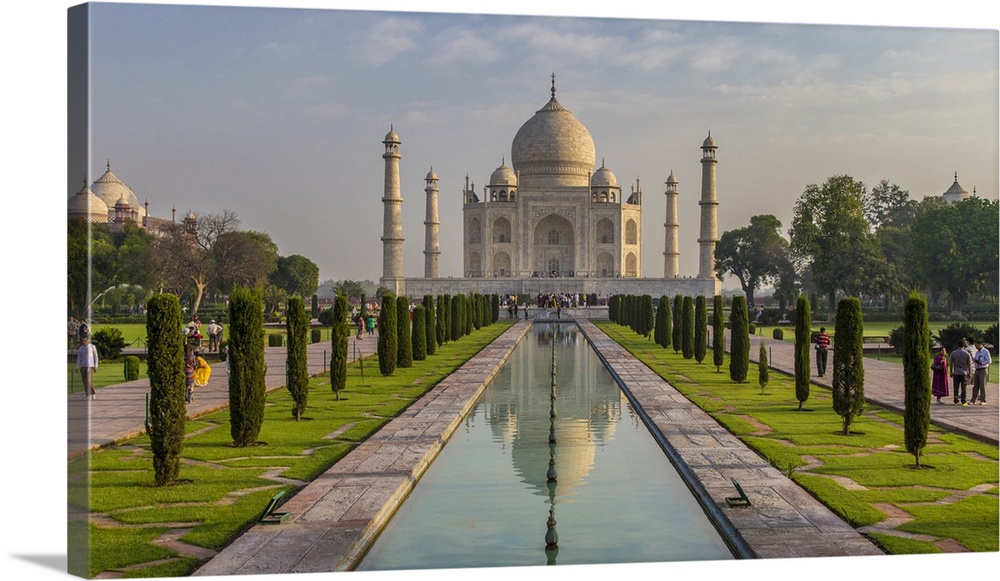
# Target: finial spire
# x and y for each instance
(553, 85)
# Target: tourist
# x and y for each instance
(822, 348)
(190, 362)
(982, 361)
(939, 383)
(71, 331)
(961, 368)
(82, 331)
(360, 323)
(86, 362)
(213, 335)
(202, 371)
(371, 324)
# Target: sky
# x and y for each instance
(283, 116)
(278, 114)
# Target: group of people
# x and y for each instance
(365, 322)
(192, 331)
(968, 363)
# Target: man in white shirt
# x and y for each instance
(86, 362)
(982, 360)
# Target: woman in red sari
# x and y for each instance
(939, 384)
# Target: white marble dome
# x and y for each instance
(503, 176)
(604, 178)
(553, 149)
(110, 189)
(84, 204)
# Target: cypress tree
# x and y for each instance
(404, 342)
(848, 362)
(647, 316)
(430, 325)
(803, 341)
(613, 302)
(441, 322)
(247, 390)
(315, 307)
(339, 334)
(687, 331)
(456, 318)
(661, 333)
(165, 369)
(476, 304)
(718, 332)
(296, 362)
(739, 340)
(388, 336)
(468, 313)
(496, 308)
(916, 375)
(677, 327)
(447, 317)
(762, 368)
(700, 328)
(419, 339)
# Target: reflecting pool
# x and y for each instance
(486, 501)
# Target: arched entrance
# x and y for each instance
(553, 247)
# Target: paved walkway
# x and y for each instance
(334, 517)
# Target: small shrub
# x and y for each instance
(896, 339)
(315, 336)
(778, 334)
(752, 328)
(990, 337)
(951, 336)
(275, 341)
(109, 342)
(770, 316)
(131, 368)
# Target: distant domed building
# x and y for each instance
(955, 193)
(109, 201)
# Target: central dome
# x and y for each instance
(553, 149)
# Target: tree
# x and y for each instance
(186, 261)
(457, 327)
(830, 233)
(430, 324)
(762, 368)
(661, 329)
(91, 263)
(441, 308)
(404, 343)
(752, 254)
(419, 338)
(677, 328)
(296, 359)
(165, 369)
(739, 340)
(687, 324)
(247, 390)
(700, 328)
(136, 260)
(296, 275)
(803, 341)
(718, 332)
(388, 338)
(888, 205)
(242, 257)
(954, 248)
(339, 335)
(848, 362)
(645, 312)
(916, 375)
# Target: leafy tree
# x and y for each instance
(954, 247)
(186, 261)
(916, 377)
(91, 263)
(430, 325)
(762, 368)
(136, 259)
(419, 338)
(661, 329)
(339, 335)
(243, 257)
(441, 308)
(296, 359)
(848, 362)
(951, 336)
(677, 327)
(247, 390)
(700, 328)
(296, 275)
(645, 322)
(687, 331)
(803, 341)
(888, 205)
(753, 254)
(457, 327)
(109, 342)
(739, 340)
(165, 369)
(830, 232)
(718, 332)
(404, 349)
(388, 338)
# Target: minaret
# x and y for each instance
(671, 251)
(709, 210)
(432, 250)
(392, 220)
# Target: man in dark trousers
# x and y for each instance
(822, 348)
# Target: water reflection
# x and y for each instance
(489, 499)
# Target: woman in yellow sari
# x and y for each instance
(202, 371)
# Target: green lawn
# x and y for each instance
(223, 489)
(807, 445)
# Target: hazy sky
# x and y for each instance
(278, 114)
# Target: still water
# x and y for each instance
(486, 500)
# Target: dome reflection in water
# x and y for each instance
(487, 500)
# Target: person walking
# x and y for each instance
(86, 362)
(982, 361)
(939, 382)
(371, 324)
(961, 368)
(822, 350)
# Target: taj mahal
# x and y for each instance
(551, 222)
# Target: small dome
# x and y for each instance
(955, 193)
(121, 203)
(391, 137)
(709, 142)
(110, 189)
(190, 216)
(503, 176)
(431, 175)
(84, 204)
(604, 178)
(672, 179)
